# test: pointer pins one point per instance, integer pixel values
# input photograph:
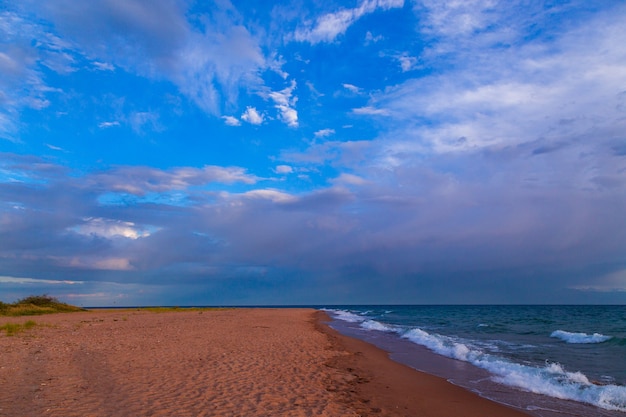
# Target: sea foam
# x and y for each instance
(569, 337)
(551, 379)
(376, 325)
(348, 316)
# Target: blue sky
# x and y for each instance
(377, 151)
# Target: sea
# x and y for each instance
(548, 361)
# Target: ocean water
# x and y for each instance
(547, 360)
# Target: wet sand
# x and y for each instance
(237, 362)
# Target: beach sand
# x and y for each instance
(232, 362)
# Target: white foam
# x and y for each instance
(569, 337)
(441, 344)
(345, 315)
(552, 379)
(376, 325)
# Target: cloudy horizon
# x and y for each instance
(366, 152)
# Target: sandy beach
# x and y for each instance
(233, 362)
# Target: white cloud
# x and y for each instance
(105, 125)
(324, 133)
(459, 18)
(22, 66)
(284, 102)
(209, 61)
(348, 154)
(371, 111)
(142, 121)
(231, 121)
(138, 180)
(349, 179)
(216, 63)
(407, 63)
(55, 148)
(369, 38)
(288, 115)
(327, 27)
(270, 194)
(252, 116)
(103, 66)
(352, 88)
(275, 63)
(555, 90)
(20, 280)
(314, 93)
(283, 169)
(109, 228)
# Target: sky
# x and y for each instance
(170, 152)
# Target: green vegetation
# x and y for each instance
(13, 328)
(35, 305)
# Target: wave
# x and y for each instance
(569, 337)
(347, 316)
(376, 325)
(551, 379)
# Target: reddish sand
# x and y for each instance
(239, 362)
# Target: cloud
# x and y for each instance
(349, 179)
(138, 180)
(407, 63)
(103, 66)
(228, 58)
(22, 280)
(328, 26)
(231, 121)
(348, 154)
(324, 133)
(252, 116)
(448, 214)
(285, 104)
(552, 90)
(106, 264)
(352, 88)
(109, 228)
(499, 166)
(22, 67)
(452, 18)
(55, 148)
(369, 38)
(105, 125)
(142, 121)
(283, 169)
(371, 111)
(271, 195)
(208, 61)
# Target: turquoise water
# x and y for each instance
(548, 360)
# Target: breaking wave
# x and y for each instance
(569, 337)
(552, 379)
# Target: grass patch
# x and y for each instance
(13, 328)
(36, 305)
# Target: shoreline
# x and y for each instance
(232, 362)
(399, 390)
